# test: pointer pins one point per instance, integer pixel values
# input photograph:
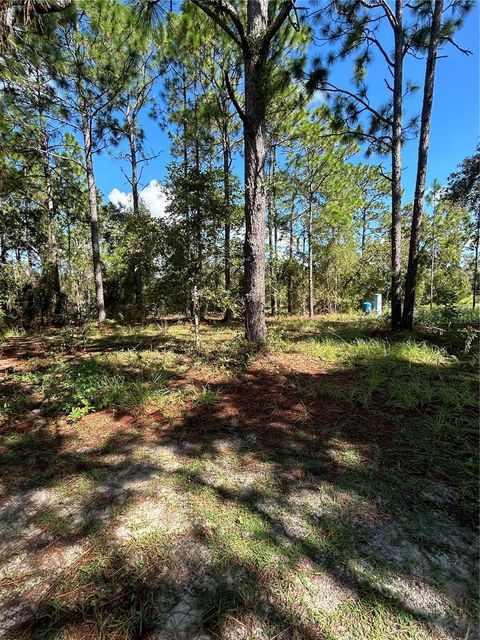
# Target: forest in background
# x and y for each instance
(317, 223)
(163, 475)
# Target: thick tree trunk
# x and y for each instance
(255, 202)
(310, 257)
(396, 238)
(254, 43)
(254, 247)
(423, 147)
(93, 210)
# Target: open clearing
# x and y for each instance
(326, 490)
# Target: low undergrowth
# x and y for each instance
(325, 489)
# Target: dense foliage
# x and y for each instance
(83, 81)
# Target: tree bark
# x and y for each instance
(134, 169)
(290, 259)
(423, 147)
(364, 230)
(475, 263)
(93, 210)
(137, 270)
(271, 249)
(396, 232)
(3, 248)
(227, 228)
(310, 257)
(272, 231)
(432, 257)
(52, 248)
(255, 201)
(254, 43)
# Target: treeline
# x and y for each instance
(305, 228)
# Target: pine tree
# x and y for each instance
(440, 30)
(98, 60)
(254, 37)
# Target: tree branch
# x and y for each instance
(282, 15)
(467, 52)
(50, 6)
(239, 37)
(233, 97)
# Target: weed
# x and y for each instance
(91, 385)
(207, 397)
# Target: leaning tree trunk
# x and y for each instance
(423, 147)
(396, 237)
(255, 201)
(93, 210)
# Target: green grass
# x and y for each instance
(261, 487)
(97, 383)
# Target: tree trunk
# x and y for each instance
(272, 232)
(134, 170)
(254, 44)
(53, 251)
(290, 259)
(475, 263)
(364, 230)
(93, 210)
(432, 258)
(196, 316)
(52, 248)
(396, 238)
(3, 248)
(254, 132)
(137, 270)
(423, 147)
(226, 191)
(310, 257)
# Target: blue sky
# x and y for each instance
(455, 119)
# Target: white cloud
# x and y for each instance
(318, 98)
(120, 198)
(153, 196)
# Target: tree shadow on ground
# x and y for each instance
(287, 472)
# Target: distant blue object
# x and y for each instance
(367, 307)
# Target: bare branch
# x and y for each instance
(233, 98)
(467, 52)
